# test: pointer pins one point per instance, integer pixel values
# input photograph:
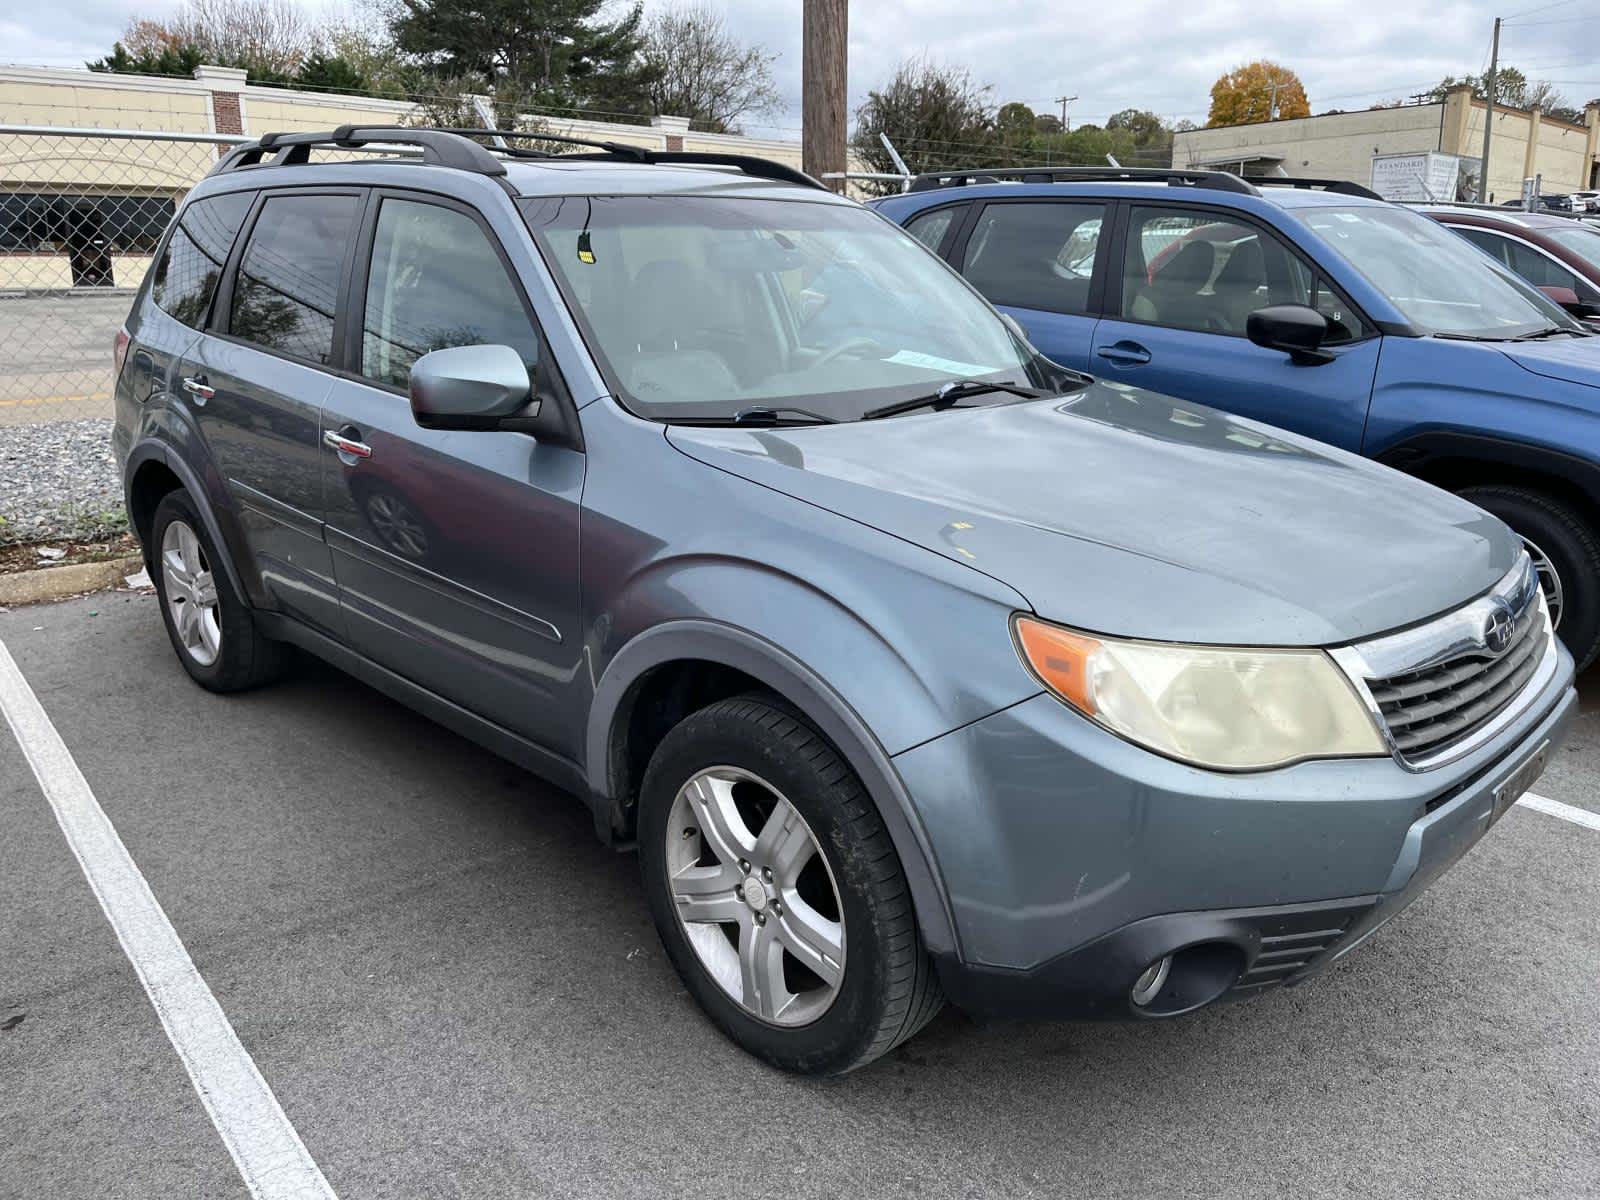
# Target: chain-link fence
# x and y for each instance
(81, 212)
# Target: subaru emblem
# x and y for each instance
(1498, 627)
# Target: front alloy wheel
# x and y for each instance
(777, 891)
(760, 909)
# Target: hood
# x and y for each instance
(1124, 512)
(1572, 360)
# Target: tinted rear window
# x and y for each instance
(288, 279)
(192, 263)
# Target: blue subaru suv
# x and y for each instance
(1312, 305)
(913, 664)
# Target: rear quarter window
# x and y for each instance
(186, 275)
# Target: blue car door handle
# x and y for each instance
(1124, 354)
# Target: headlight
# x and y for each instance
(1231, 710)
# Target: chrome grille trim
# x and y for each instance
(1437, 691)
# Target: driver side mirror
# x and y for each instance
(483, 388)
(1296, 329)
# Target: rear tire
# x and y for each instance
(705, 852)
(212, 629)
(1562, 543)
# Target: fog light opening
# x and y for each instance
(1148, 986)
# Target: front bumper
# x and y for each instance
(1095, 859)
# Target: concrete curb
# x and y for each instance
(57, 583)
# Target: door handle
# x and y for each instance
(346, 445)
(1124, 354)
(197, 387)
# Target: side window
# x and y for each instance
(1539, 270)
(930, 228)
(192, 262)
(1199, 270)
(1491, 243)
(436, 281)
(288, 281)
(1035, 255)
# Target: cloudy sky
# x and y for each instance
(1152, 54)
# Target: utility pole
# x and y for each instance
(824, 88)
(1488, 114)
(1064, 101)
(1272, 104)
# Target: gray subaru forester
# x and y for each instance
(914, 665)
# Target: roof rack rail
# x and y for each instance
(438, 147)
(1342, 187)
(1221, 181)
(760, 168)
(456, 148)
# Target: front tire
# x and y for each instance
(777, 893)
(1565, 549)
(212, 630)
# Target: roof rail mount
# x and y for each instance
(1342, 187)
(457, 148)
(291, 149)
(1200, 177)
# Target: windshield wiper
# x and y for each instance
(764, 416)
(956, 389)
(1551, 331)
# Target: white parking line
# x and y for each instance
(265, 1147)
(1567, 812)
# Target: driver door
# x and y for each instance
(1177, 312)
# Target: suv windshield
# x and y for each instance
(1582, 241)
(1441, 282)
(699, 307)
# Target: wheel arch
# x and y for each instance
(733, 658)
(152, 472)
(1455, 461)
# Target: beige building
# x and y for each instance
(1342, 145)
(79, 210)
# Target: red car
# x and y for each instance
(1558, 255)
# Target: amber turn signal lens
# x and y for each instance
(1060, 659)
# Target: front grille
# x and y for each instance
(1429, 710)
(1432, 688)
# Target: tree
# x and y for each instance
(1245, 95)
(553, 53)
(1513, 89)
(936, 116)
(695, 68)
(1146, 128)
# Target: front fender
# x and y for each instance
(786, 675)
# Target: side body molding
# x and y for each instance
(713, 641)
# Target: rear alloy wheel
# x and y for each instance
(212, 630)
(777, 892)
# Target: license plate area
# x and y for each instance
(1522, 777)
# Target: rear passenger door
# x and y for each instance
(456, 552)
(1041, 261)
(256, 381)
(1188, 278)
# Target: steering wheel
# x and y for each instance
(844, 347)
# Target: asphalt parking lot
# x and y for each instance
(57, 354)
(454, 991)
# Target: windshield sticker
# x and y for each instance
(932, 362)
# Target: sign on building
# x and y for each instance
(1423, 176)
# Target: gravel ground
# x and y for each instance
(58, 480)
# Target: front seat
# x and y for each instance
(1174, 295)
(1237, 291)
(667, 304)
